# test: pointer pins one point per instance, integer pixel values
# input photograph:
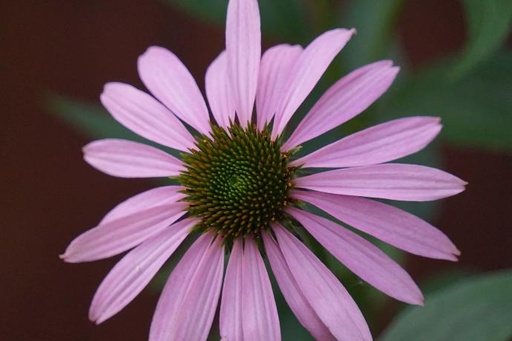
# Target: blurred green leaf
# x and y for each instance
(375, 23)
(89, 119)
(476, 309)
(94, 121)
(476, 111)
(283, 18)
(443, 279)
(488, 24)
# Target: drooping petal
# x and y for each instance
(119, 235)
(145, 116)
(324, 292)
(173, 85)
(243, 48)
(130, 275)
(275, 71)
(260, 320)
(381, 143)
(186, 308)
(361, 257)
(306, 72)
(150, 198)
(292, 292)
(128, 159)
(346, 99)
(248, 310)
(231, 310)
(219, 92)
(386, 181)
(387, 223)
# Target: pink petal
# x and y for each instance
(381, 143)
(321, 288)
(346, 99)
(231, 309)
(130, 275)
(260, 320)
(186, 308)
(119, 235)
(154, 197)
(248, 310)
(218, 91)
(306, 72)
(292, 292)
(171, 82)
(387, 181)
(243, 48)
(128, 159)
(361, 257)
(387, 223)
(275, 71)
(145, 116)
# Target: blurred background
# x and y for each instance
(456, 61)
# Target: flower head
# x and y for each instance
(243, 192)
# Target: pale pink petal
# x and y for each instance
(243, 48)
(186, 308)
(260, 320)
(381, 143)
(248, 310)
(305, 73)
(173, 85)
(387, 223)
(128, 159)
(130, 275)
(218, 91)
(361, 257)
(273, 85)
(145, 116)
(231, 310)
(323, 291)
(386, 181)
(154, 197)
(346, 99)
(293, 294)
(122, 234)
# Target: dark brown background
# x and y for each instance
(49, 195)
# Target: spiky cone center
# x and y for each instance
(237, 181)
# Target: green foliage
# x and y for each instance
(476, 111)
(283, 18)
(94, 121)
(375, 25)
(89, 119)
(478, 308)
(488, 24)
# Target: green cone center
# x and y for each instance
(237, 181)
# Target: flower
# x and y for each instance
(242, 192)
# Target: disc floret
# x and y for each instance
(237, 181)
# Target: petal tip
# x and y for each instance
(95, 318)
(109, 86)
(421, 301)
(149, 53)
(454, 255)
(69, 256)
(416, 298)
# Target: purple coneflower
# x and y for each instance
(242, 191)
